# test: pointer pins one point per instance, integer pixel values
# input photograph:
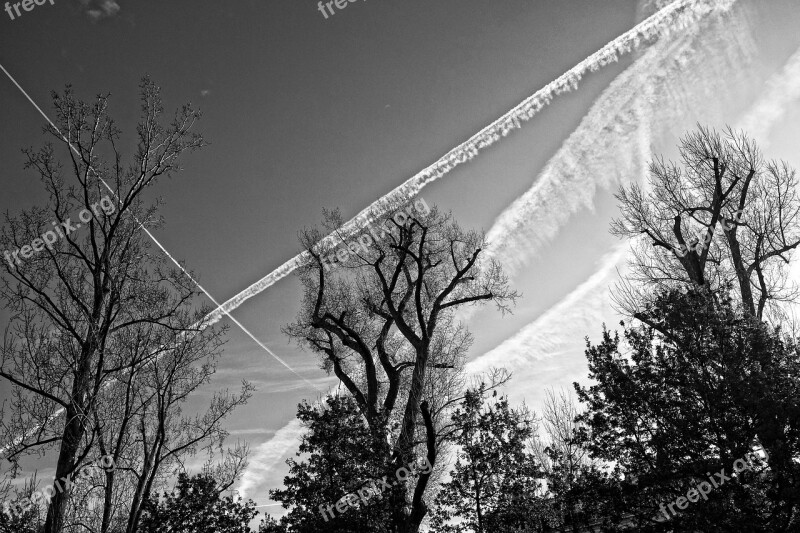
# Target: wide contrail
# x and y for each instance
(652, 99)
(676, 16)
(536, 344)
(611, 146)
(782, 90)
(625, 108)
(587, 305)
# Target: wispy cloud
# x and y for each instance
(781, 91)
(562, 327)
(260, 474)
(551, 346)
(615, 135)
(100, 9)
(644, 105)
(251, 431)
(283, 386)
(679, 15)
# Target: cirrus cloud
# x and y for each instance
(100, 9)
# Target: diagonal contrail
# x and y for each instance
(677, 15)
(226, 313)
(156, 241)
(674, 79)
(539, 340)
(622, 103)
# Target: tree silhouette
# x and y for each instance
(195, 506)
(383, 323)
(341, 458)
(494, 484)
(671, 407)
(722, 188)
(105, 339)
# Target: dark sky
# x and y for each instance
(304, 112)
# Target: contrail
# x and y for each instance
(624, 108)
(563, 326)
(677, 16)
(587, 304)
(539, 341)
(157, 242)
(269, 454)
(649, 100)
(638, 109)
(224, 312)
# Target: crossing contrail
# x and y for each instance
(72, 147)
(676, 16)
(161, 247)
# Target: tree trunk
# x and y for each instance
(741, 273)
(107, 501)
(74, 430)
(71, 438)
(143, 488)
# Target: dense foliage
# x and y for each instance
(196, 506)
(672, 407)
(342, 455)
(494, 482)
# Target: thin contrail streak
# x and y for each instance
(156, 241)
(677, 15)
(160, 246)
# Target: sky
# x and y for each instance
(305, 112)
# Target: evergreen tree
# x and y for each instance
(670, 408)
(343, 457)
(17, 519)
(494, 485)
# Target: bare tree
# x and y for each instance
(84, 270)
(140, 424)
(560, 428)
(383, 323)
(722, 188)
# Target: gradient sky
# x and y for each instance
(305, 113)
